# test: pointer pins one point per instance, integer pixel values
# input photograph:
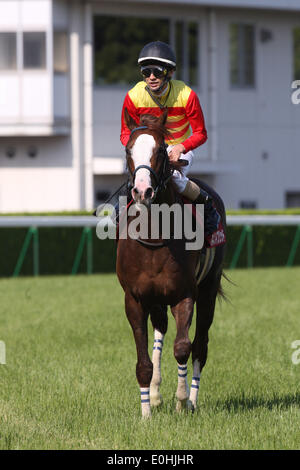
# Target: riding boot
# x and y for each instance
(211, 215)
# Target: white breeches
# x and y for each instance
(179, 178)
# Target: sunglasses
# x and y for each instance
(158, 72)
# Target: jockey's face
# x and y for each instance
(155, 83)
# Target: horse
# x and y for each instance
(161, 273)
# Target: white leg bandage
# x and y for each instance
(145, 401)
(182, 388)
(195, 383)
(156, 376)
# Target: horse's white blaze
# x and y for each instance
(155, 396)
(145, 401)
(141, 154)
(195, 383)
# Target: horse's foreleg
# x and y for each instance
(205, 313)
(159, 321)
(195, 383)
(183, 313)
(155, 396)
(137, 317)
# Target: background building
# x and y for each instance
(65, 67)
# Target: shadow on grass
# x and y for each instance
(243, 403)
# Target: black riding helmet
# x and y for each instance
(157, 52)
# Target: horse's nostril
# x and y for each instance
(149, 193)
(135, 193)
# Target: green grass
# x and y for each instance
(69, 379)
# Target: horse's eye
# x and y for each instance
(128, 152)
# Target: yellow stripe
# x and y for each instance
(175, 118)
(180, 139)
(178, 129)
(178, 97)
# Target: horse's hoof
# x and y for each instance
(190, 406)
(185, 405)
(146, 414)
(156, 399)
(180, 405)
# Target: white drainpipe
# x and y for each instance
(213, 84)
(75, 98)
(88, 106)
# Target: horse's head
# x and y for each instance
(147, 158)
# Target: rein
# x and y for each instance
(159, 181)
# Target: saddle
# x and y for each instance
(211, 240)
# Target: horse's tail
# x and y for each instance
(221, 293)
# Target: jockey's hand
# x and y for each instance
(175, 152)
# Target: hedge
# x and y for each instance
(289, 211)
(58, 246)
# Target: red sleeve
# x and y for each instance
(125, 132)
(196, 119)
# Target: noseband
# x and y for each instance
(160, 182)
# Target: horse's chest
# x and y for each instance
(155, 275)
(159, 277)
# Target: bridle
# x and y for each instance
(161, 180)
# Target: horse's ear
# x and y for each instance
(163, 118)
(129, 121)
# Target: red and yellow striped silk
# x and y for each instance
(184, 113)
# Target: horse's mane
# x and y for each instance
(154, 124)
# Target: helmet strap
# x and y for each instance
(155, 98)
(165, 81)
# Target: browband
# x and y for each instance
(138, 128)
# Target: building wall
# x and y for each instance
(259, 128)
(256, 129)
(45, 182)
(26, 95)
(54, 178)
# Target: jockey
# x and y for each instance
(157, 92)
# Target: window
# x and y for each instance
(242, 55)
(296, 51)
(60, 52)
(186, 47)
(34, 50)
(119, 40)
(292, 199)
(8, 51)
(248, 204)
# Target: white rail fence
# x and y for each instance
(89, 223)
